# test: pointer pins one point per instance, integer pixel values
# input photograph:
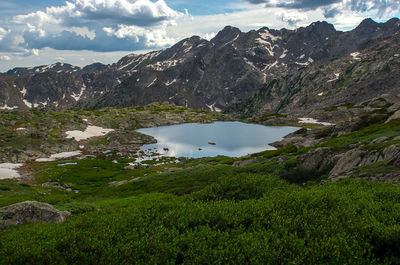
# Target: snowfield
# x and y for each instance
(314, 121)
(91, 131)
(9, 171)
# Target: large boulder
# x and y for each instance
(346, 161)
(30, 211)
(317, 159)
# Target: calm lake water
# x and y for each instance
(219, 138)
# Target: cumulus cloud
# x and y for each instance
(334, 7)
(5, 58)
(99, 25)
(3, 32)
(293, 18)
(127, 12)
(295, 4)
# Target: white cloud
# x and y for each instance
(5, 58)
(111, 12)
(35, 52)
(3, 32)
(293, 18)
(154, 37)
(50, 56)
(333, 7)
(209, 36)
(101, 25)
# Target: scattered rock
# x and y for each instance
(243, 163)
(130, 167)
(30, 211)
(173, 169)
(117, 183)
(379, 140)
(297, 141)
(57, 185)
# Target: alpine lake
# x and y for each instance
(196, 140)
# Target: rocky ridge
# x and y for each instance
(213, 75)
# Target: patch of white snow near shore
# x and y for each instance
(314, 121)
(9, 171)
(59, 156)
(91, 131)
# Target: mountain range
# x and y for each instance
(278, 71)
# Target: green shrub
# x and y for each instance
(348, 222)
(4, 188)
(77, 208)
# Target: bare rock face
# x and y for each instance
(30, 211)
(317, 159)
(395, 115)
(348, 161)
(392, 154)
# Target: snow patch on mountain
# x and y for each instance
(153, 82)
(170, 83)
(78, 96)
(355, 56)
(6, 107)
(268, 35)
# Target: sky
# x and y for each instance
(81, 32)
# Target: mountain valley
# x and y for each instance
(85, 193)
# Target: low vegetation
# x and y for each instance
(212, 211)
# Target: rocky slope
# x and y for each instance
(364, 144)
(215, 74)
(350, 79)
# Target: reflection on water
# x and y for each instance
(196, 140)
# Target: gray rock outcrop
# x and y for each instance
(347, 162)
(395, 116)
(317, 159)
(30, 211)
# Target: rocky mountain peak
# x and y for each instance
(229, 33)
(393, 23)
(367, 25)
(321, 27)
(93, 67)
(55, 68)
